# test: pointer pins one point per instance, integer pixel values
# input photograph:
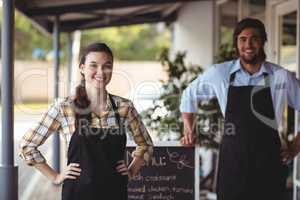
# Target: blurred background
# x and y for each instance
(158, 48)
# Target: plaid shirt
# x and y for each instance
(60, 118)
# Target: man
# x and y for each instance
(252, 94)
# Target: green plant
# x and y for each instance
(131, 42)
(165, 117)
(226, 53)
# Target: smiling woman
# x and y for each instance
(98, 69)
(94, 124)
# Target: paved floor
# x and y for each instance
(32, 184)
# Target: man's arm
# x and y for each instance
(189, 128)
(202, 88)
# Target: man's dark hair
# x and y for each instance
(250, 23)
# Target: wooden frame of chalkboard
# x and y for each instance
(172, 174)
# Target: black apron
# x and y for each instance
(250, 167)
(97, 150)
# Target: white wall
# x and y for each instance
(134, 80)
(193, 32)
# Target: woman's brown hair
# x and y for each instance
(81, 101)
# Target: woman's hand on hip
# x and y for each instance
(135, 166)
(122, 168)
(72, 171)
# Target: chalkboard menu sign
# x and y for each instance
(170, 175)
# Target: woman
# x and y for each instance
(93, 124)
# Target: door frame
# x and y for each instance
(276, 9)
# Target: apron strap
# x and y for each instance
(115, 109)
(232, 77)
(266, 78)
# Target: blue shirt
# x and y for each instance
(214, 82)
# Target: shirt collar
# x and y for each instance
(264, 68)
(236, 66)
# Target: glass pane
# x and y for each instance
(288, 47)
(228, 18)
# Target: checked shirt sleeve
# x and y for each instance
(37, 135)
(140, 135)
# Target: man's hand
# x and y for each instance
(188, 139)
(288, 153)
(189, 126)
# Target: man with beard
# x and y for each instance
(252, 94)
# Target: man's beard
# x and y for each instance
(254, 60)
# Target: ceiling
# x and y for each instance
(87, 14)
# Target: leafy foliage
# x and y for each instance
(164, 118)
(226, 52)
(138, 42)
(135, 42)
(28, 37)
